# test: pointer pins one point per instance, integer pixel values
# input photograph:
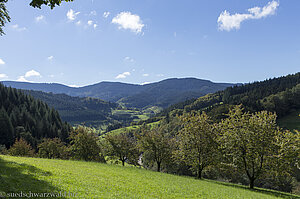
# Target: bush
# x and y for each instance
(53, 148)
(21, 148)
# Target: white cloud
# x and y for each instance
(160, 75)
(78, 23)
(72, 15)
(2, 76)
(50, 58)
(93, 13)
(32, 73)
(123, 75)
(227, 21)
(95, 26)
(128, 59)
(145, 75)
(106, 14)
(90, 22)
(22, 79)
(126, 20)
(40, 18)
(16, 27)
(2, 62)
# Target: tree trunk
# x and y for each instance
(123, 163)
(199, 172)
(158, 166)
(251, 185)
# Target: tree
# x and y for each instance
(197, 141)
(6, 129)
(4, 16)
(85, 146)
(251, 142)
(156, 144)
(53, 148)
(123, 147)
(21, 148)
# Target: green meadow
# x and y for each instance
(95, 180)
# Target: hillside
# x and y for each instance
(78, 110)
(280, 95)
(95, 180)
(23, 116)
(162, 94)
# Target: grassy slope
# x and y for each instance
(95, 180)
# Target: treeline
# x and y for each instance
(23, 116)
(246, 148)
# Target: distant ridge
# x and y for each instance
(163, 93)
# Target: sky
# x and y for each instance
(134, 41)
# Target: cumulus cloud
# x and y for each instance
(145, 75)
(32, 73)
(227, 21)
(106, 14)
(126, 20)
(2, 62)
(16, 27)
(2, 76)
(50, 58)
(95, 26)
(71, 14)
(123, 75)
(78, 23)
(40, 18)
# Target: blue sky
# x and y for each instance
(134, 41)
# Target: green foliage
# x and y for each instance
(50, 3)
(85, 146)
(197, 142)
(23, 116)
(252, 143)
(156, 144)
(53, 148)
(4, 17)
(123, 147)
(21, 148)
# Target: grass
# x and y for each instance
(95, 180)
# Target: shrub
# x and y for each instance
(21, 148)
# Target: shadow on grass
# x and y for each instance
(20, 179)
(259, 190)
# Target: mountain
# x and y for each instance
(280, 95)
(161, 94)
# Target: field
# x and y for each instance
(95, 180)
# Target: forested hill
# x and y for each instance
(162, 94)
(23, 116)
(280, 95)
(77, 109)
